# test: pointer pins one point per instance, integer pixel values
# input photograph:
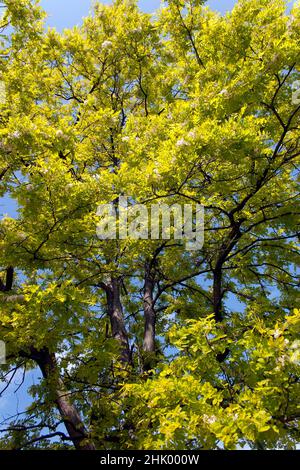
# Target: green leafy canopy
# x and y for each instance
(141, 344)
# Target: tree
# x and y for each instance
(143, 343)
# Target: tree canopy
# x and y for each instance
(143, 344)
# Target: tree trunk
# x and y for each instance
(217, 294)
(149, 314)
(47, 363)
(71, 418)
(115, 312)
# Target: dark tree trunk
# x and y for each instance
(149, 314)
(47, 363)
(7, 286)
(115, 312)
(217, 294)
(70, 416)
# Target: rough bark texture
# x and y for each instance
(70, 416)
(217, 294)
(115, 312)
(149, 314)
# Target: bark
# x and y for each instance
(149, 313)
(115, 312)
(9, 280)
(217, 294)
(7, 287)
(70, 416)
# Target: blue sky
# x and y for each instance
(67, 13)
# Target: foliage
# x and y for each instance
(186, 106)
